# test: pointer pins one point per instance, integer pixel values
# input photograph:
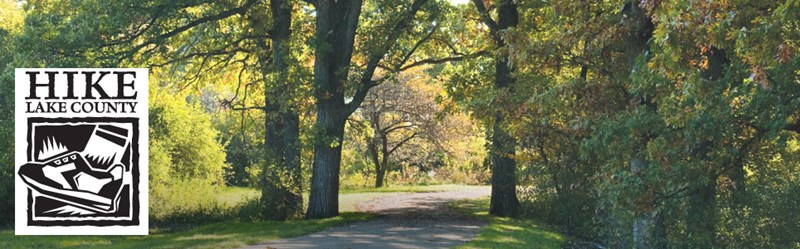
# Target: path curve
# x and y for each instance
(405, 220)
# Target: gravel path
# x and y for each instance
(416, 220)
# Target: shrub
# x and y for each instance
(187, 162)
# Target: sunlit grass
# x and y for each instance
(232, 196)
(507, 232)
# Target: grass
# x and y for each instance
(218, 235)
(232, 196)
(507, 232)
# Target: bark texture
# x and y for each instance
(336, 30)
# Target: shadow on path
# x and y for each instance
(419, 220)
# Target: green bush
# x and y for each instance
(183, 142)
(187, 162)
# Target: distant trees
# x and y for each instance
(184, 143)
(395, 113)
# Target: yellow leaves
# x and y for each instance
(538, 20)
(736, 102)
(525, 156)
(11, 16)
(703, 64)
(705, 51)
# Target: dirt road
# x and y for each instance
(416, 220)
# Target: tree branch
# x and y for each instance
(192, 24)
(375, 58)
(139, 31)
(207, 54)
(430, 61)
(401, 143)
(417, 45)
(486, 18)
(390, 129)
(241, 105)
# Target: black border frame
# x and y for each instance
(135, 153)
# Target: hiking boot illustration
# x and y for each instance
(91, 179)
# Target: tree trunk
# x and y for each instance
(335, 36)
(380, 168)
(641, 30)
(738, 175)
(282, 16)
(281, 177)
(702, 222)
(337, 22)
(379, 176)
(324, 198)
(504, 200)
(292, 153)
(643, 219)
(271, 190)
(385, 157)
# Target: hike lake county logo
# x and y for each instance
(81, 151)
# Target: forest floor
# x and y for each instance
(403, 220)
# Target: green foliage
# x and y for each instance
(678, 127)
(185, 157)
(184, 141)
(243, 159)
(242, 133)
(6, 150)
